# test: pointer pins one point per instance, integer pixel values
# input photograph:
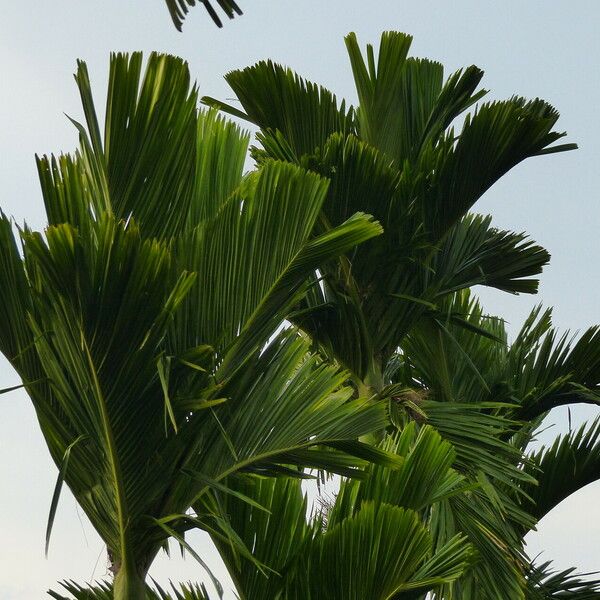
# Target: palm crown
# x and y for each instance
(396, 156)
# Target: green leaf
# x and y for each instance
(568, 465)
(546, 583)
(395, 566)
(276, 99)
(57, 489)
(474, 253)
(179, 9)
(181, 540)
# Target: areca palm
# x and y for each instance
(397, 156)
(389, 312)
(141, 320)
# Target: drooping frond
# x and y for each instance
(549, 370)
(475, 253)
(568, 465)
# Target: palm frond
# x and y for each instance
(277, 533)
(271, 519)
(455, 351)
(277, 100)
(474, 253)
(568, 465)
(546, 370)
(546, 583)
(404, 102)
(423, 478)
(398, 565)
(104, 591)
(180, 8)
(158, 158)
(282, 410)
(489, 526)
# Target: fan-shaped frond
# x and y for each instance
(475, 253)
(156, 156)
(399, 564)
(423, 478)
(404, 102)
(278, 100)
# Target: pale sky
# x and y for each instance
(532, 48)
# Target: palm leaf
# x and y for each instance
(546, 583)
(489, 527)
(494, 139)
(398, 564)
(277, 100)
(158, 158)
(474, 253)
(563, 468)
(423, 478)
(180, 8)
(104, 591)
(277, 535)
(403, 101)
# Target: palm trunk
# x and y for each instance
(129, 584)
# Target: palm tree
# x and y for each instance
(397, 156)
(142, 320)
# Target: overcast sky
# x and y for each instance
(532, 48)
